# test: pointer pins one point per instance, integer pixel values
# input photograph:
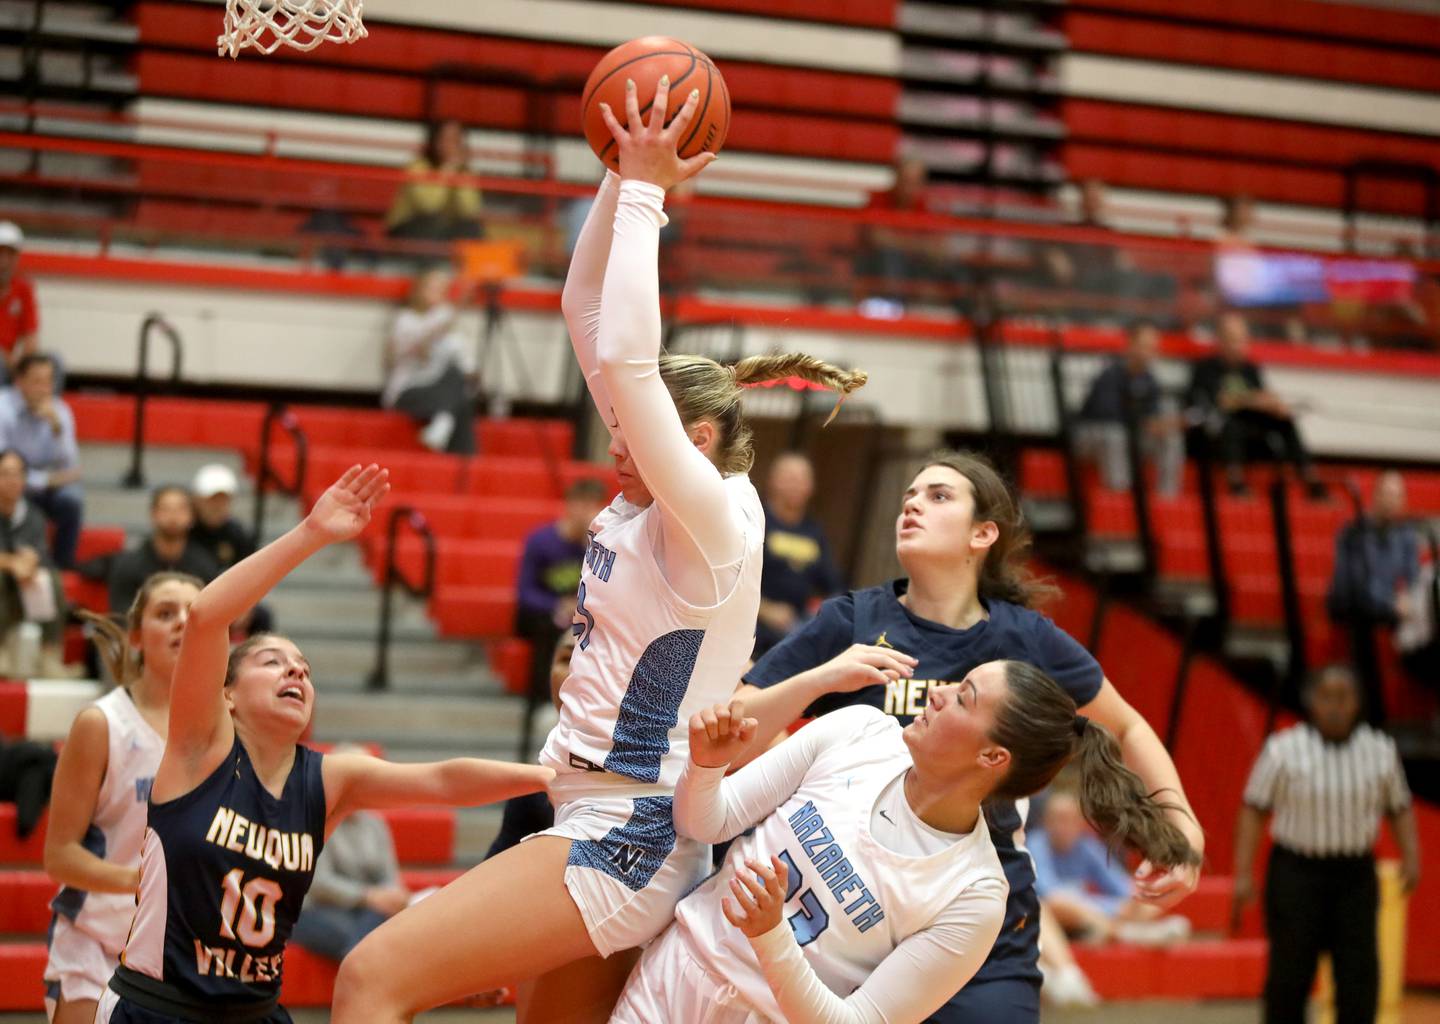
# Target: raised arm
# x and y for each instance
(712, 808)
(580, 301)
(201, 732)
(356, 782)
(78, 776)
(914, 980)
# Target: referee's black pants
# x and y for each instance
(1314, 905)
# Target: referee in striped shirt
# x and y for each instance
(1326, 781)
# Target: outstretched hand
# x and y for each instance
(648, 151)
(345, 507)
(759, 891)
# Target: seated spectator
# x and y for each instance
(798, 571)
(429, 369)
(39, 425)
(1377, 561)
(546, 585)
(436, 203)
(1228, 393)
(19, 319)
(898, 265)
(220, 533)
(357, 885)
(168, 548)
(1090, 895)
(1104, 269)
(30, 589)
(1128, 385)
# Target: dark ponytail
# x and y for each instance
(1115, 801)
(1039, 726)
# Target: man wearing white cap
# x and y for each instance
(19, 320)
(217, 531)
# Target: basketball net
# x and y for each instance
(267, 25)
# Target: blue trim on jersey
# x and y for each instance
(52, 990)
(632, 853)
(651, 706)
(68, 902)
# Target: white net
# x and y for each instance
(267, 25)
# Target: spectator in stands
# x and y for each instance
(798, 571)
(217, 531)
(897, 265)
(429, 369)
(168, 548)
(1377, 561)
(30, 590)
(1090, 893)
(19, 320)
(437, 203)
(357, 884)
(1126, 388)
(1228, 395)
(1103, 270)
(1237, 222)
(39, 425)
(1326, 783)
(546, 587)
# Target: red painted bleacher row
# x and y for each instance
(789, 110)
(1346, 21)
(1234, 47)
(1248, 546)
(479, 509)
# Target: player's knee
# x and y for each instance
(359, 983)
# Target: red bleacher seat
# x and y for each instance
(14, 698)
(510, 660)
(1202, 969)
(22, 972)
(25, 902)
(423, 835)
(461, 611)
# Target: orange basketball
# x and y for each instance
(645, 60)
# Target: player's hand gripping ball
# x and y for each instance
(645, 62)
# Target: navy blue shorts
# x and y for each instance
(126, 1012)
(1001, 1001)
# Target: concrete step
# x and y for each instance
(105, 461)
(437, 720)
(410, 660)
(304, 609)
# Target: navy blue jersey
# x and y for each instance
(223, 872)
(876, 616)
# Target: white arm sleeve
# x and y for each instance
(711, 808)
(914, 981)
(686, 485)
(580, 301)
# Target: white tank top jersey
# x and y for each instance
(117, 829)
(853, 898)
(646, 659)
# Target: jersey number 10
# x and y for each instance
(248, 913)
(811, 919)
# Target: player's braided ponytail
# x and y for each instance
(702, 389)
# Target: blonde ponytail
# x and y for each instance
(702, 389)
(113, 646)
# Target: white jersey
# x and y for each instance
(117, 828)
(851, 900)
(645, 658)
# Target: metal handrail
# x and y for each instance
(265, 474)
(1065, 430)
(414, 519)
(135, 477)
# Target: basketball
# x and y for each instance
(646, 60)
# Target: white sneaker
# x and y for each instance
(1068, 986)
(1165, 931)
(437, 433)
